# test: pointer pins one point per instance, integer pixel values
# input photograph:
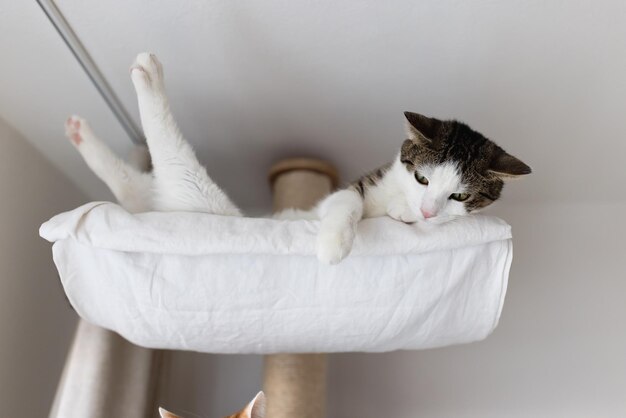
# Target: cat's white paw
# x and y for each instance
(147, 71)
(400, 211)
(334, 245)
(75, 129)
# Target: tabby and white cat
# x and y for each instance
(255, 409)
(443, 170)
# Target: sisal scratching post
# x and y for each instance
(295, 384)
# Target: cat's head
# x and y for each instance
(255, 409)
(452, 169)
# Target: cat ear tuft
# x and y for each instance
(256, 408)
(166, 414)
(507, 166)
(421, 128)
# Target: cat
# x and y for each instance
(255, 409)
(443, 170)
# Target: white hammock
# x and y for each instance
(208, 283)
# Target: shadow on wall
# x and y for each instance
(36, 321)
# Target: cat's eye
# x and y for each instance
(460, 197)
(421, 179)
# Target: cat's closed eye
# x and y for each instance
(460, 197)
(421, 179)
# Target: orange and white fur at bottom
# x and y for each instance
(255, 409)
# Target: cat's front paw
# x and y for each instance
(75, 129)
(400, 211)
(147, 71)
(333, 246)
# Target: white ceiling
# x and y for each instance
(254, 81)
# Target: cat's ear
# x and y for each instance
(256, 408)
(421, 128)
(167, 414)
(507, 166)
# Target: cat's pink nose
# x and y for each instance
(427, 214)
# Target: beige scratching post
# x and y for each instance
(295, 384)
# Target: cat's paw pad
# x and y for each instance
(147, 71)
(334, 246)
(75, 126)
(401, 212)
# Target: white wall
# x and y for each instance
(253, 81)
(36, 322)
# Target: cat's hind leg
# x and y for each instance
(131, 187)
(181, 183)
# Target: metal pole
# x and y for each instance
(91, 69)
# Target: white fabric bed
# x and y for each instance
(218, 284)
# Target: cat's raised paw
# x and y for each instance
(74, 128)
(334, 246)
(147, 71)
